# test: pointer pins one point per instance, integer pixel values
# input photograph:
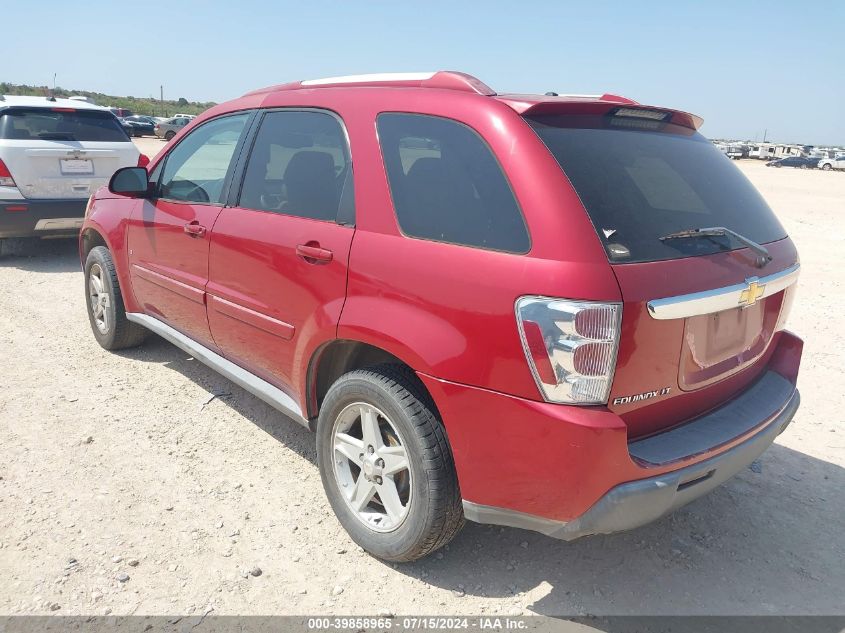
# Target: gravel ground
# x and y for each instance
(143, 483)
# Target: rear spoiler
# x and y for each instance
(607, 105)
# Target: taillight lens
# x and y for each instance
(6, 179)
(143, 160)
(570, 346)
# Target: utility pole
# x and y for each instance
(54, 82)
(764, 134)
(163, 112)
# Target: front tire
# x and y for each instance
(386, 464)
(826, 167)
(106, 311)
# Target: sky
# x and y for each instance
(747, 67)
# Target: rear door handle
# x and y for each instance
(313, 253)
(194, 229)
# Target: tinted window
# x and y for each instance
(638, 184)
(299, 165)
(195, 170)
(47, 124)
(446, 184)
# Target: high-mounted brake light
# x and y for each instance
(570, 346)
(143, 160)
(62, 109)
(6, 179)
(642, 113)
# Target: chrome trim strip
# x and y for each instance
(270, 394)
(59, 224)
(719, 299)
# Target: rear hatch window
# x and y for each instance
(639, 184)
(60, 124)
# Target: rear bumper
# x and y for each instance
(571, 471)
(41, 218)
(640, 502)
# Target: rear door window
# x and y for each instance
(446, 184)
(639, 184)
(60, 124)
(299, 165)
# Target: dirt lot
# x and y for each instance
(142, 482)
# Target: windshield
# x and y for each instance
(60, 124)
(639, 184)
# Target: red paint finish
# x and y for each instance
(269, 307)
(269, 291)
(169, 262)
(651, 350)
(551, 460)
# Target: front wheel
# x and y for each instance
(386, 464)
(106, 312)
(826, 167)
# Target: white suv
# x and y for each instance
(54, 153)
(832, 163)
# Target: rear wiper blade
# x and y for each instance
(763, 256)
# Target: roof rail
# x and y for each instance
(444, 79)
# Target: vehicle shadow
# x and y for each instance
(768, 542)
(281, 428)
(59, 255)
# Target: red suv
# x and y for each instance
(559, 313)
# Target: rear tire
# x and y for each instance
(391, 400)
(826, 167)
(106, 311)
(169, 135)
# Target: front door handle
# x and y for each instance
(313, 253)
(194, 229)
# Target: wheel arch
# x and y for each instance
(89, 238)
(340, 356)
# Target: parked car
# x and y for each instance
(801, 162)
(564, 314)
(735, 152)
(832, 163)
(141, 125)
(53, 154)
(169, 128)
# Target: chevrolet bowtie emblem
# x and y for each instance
(749, 296)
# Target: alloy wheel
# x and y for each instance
(371, 467)
(99, 298)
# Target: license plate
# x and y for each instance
(76, 166)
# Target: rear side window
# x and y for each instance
(446, 184)
(639, 184)
(299, 165)
(60, 124)
(196, 169)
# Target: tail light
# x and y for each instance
(570, 346)
(143, 160)
(6, 179)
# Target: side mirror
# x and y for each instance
(130, 181)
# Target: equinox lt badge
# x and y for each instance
(648, 395)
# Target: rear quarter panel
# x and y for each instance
(444, 309)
